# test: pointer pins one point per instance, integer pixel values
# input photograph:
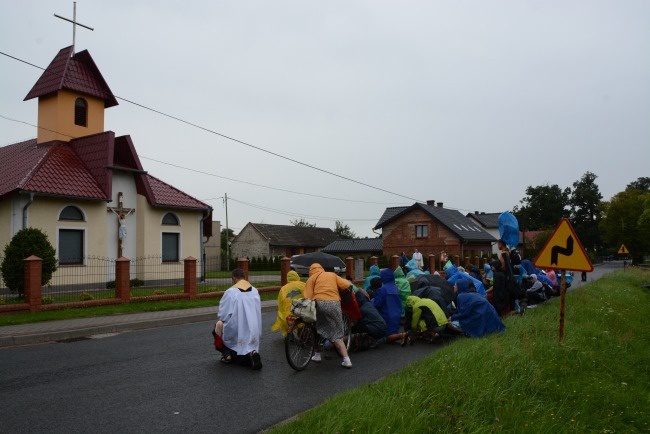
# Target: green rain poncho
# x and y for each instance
(403, 286)
(417, 303)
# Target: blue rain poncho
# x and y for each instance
(476, 316)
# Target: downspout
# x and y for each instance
(29, 202)
(201, 243)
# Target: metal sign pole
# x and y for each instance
(562, 299)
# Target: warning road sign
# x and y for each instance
(563, 251)
(623, 250)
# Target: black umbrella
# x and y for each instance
(324, 259)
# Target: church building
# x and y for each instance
(85, 187)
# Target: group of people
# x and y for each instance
(390, 306)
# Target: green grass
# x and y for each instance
(597, 380)
(120, 309)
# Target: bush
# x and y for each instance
(47, 300)
(133, 283)
(159, 292)
(86, 296)
(27, 242)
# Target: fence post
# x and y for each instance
(349, 268)
(243, 264)
(456, 260)
(189, 277)
(123, 279)
(432, 263)
(33, 273)
(394, 262)
(372, 261)
(285, 267)
(476, 261)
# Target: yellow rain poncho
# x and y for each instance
(293, 289)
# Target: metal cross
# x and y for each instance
(74, 24)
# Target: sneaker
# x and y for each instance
(316, 358)
(256, 360)
(346, 363)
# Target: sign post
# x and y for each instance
(563, 251)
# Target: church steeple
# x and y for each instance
(72, 96)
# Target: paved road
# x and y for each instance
(168, 379)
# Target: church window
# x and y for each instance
(71, 213)
(170, 246)
(71, 246)
(170, 219)
(81, 112)
(71, 240)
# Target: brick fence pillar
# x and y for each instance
(372, 261)
(33, 273)
(243, 264)
(476, 261)
(285, 267)
(349, 267)
(456, 260)
(189, 277)
(123, 279)
(394, 262)
(432, 263)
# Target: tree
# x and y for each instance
(225, 246)
(586, 210)
(642, 184)
(302, 223)
(626, 220)
(343, 231)
(543, 207)
(27, 242)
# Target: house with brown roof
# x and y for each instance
(85, 187)
(258, 240)
(432, 229)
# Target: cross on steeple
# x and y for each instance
(74, 24)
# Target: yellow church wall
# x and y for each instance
(56, 117)
(150, 230)
(5, 224)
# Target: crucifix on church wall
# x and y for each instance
(121, 212)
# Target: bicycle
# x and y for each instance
(302, 340)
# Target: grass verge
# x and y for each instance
(525, 380)
(120, 309)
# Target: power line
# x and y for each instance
(236, 140)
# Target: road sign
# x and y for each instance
(623, 250)
(563, 251)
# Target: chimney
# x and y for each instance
(439, 204)
(431, 202)
(476, 213)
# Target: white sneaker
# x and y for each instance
(346, 363)
(316, 358)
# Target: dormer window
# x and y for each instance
(81, 112)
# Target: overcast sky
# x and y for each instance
(463, 102)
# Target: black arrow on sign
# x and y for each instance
(558, 250)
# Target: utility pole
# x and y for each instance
(227, 234)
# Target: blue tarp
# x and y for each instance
(509, 229)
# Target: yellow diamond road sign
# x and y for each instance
(623, 250)
(563, 251)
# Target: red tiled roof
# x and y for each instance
(77, 73)
(166, 195)
(18, 161)
(96, 152)
(62, 173)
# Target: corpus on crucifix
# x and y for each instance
(121, 214)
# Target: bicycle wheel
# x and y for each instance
(347, 331)
(299, 345)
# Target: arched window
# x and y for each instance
(170, 219)
(171, 241)
(71, 213)
(81, 112)
(71, 240)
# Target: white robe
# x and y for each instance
(241, 313)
